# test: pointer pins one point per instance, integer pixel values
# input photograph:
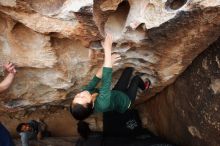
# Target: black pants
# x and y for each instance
(130, 90)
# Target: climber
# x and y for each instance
(118, 99)
(32, 130)
(5, 138)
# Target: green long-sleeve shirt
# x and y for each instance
(107, 99)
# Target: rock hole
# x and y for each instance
(116, 21)
(175, 4)
(141, 27)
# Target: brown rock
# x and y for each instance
(187, 111)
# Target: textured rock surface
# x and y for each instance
(56, 47)
(53, 43)
(187, 112)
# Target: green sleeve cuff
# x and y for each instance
(107, 70)
(96, 79)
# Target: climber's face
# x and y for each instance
(82, 98)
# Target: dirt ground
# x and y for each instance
(51, 141)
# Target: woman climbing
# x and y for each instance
(104, 99)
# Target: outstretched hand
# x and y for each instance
(10, 68)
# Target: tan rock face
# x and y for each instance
(187, 112)
(55, 43)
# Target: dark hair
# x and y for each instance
(83, 129)
(18, 129)
(79, 112)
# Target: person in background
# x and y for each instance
(5, 138)
(31, 130)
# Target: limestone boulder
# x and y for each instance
(56, 47)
